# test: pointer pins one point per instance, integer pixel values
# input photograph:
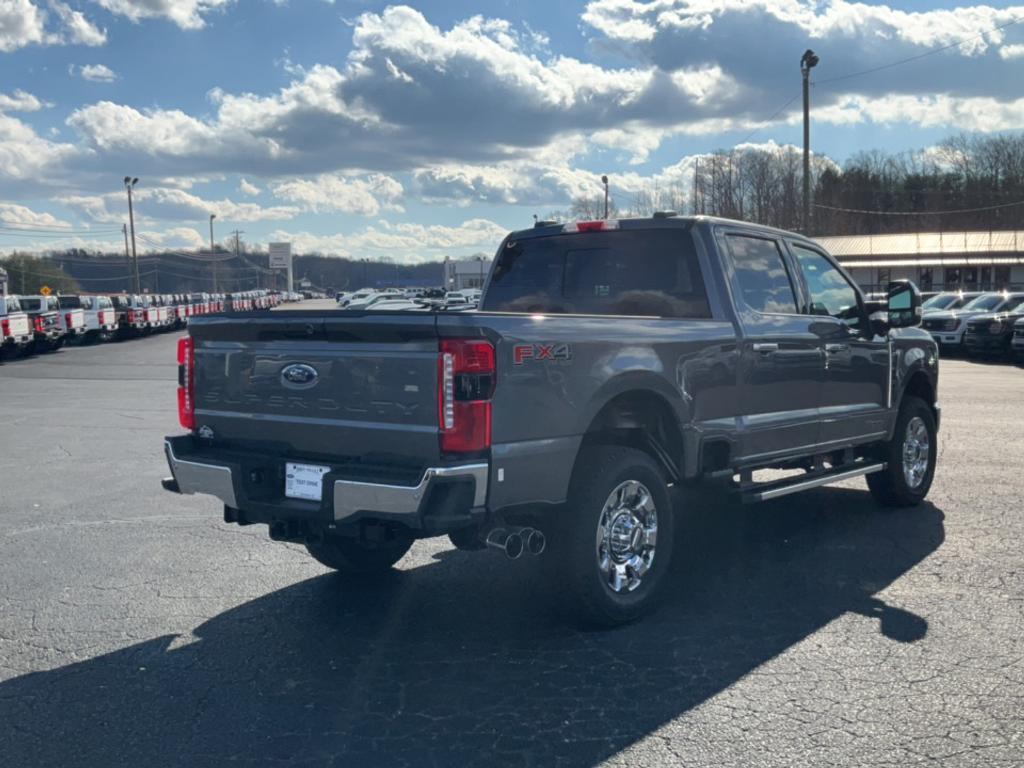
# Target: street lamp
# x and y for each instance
(807, 62)
(213, 253)
(129, 185)
(604, 180)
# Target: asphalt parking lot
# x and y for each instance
(136, 629)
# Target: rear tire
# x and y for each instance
(350, 555)
(611, 547)
(909, 456)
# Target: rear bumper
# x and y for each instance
(443, 498)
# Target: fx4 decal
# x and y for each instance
(521, 353)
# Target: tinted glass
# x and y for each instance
(761, 273)
(69, 302)
(32, 305)
(831, 293)
(651, 273)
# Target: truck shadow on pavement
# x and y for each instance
(459, 662)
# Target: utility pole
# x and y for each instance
(129, 184)
(237, 233)
(127, 254)
(604, 180)
(213, 253)
(807, 62)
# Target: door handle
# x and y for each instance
(834, 348)
(766, 347)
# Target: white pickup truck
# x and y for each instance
(72, 317)
(15, 328)
(100, 318)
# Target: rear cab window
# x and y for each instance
(640, 272)
(31, 305)
(69, 302)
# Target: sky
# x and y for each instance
(416, 131)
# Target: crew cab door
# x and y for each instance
(855, 377)
(780, 354)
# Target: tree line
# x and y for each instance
(868, 194)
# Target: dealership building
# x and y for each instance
(468, 273)
(934, 260)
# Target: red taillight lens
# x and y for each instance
(186, 382)
(465, 384)
(5, 327)
(67, 319)
(40, 324)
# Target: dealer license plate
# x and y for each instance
(304, 481)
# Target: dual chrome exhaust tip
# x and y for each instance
(516, 541)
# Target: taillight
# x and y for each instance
(465, 383)
(5, 327)
(40, 324)
(186, 382)
(67, 319)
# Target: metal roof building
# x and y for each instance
(990, 260)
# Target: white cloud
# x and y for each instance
(97, 73)
(248, 188)
(332, 192)
(24, 22)
(27, 160)
(403, 243)
(78, 29)
(187, 14)
(21, 101)
(172, 204)
(173, 237)
(21, 23)
(1012, 51)
(13, 214)
(981, 114)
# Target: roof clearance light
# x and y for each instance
(591, 226)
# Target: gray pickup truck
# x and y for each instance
(612, 365)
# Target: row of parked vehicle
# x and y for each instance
(977, 323)
(31, 324)
(409, 299)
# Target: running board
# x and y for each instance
(784, 488)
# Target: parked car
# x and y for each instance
(73, 317)
(947, 327)
(612, 365)
(992, 333)
(948, 300)
(15, 328)
(100, 318)
(48, 332)
(357, 296)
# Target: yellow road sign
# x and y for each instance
(46, 290)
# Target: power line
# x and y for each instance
(920, 213)
(909, 59)
(774, 114)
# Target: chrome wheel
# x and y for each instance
(916, 447)
(627, 533)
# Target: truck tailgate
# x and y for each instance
(357, 387)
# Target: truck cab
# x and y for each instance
(47, 324)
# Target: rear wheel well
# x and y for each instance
(643, 420)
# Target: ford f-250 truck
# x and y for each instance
(612, 365)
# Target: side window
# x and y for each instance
(761, 272)
(830, 292)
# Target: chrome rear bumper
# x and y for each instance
(350, 497)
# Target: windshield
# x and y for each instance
(12, 304)
(942, 301)
(987, 302)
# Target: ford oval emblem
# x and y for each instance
(299, 376)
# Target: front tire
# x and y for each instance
(910, 457)
(353, 556)
(611, 547)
